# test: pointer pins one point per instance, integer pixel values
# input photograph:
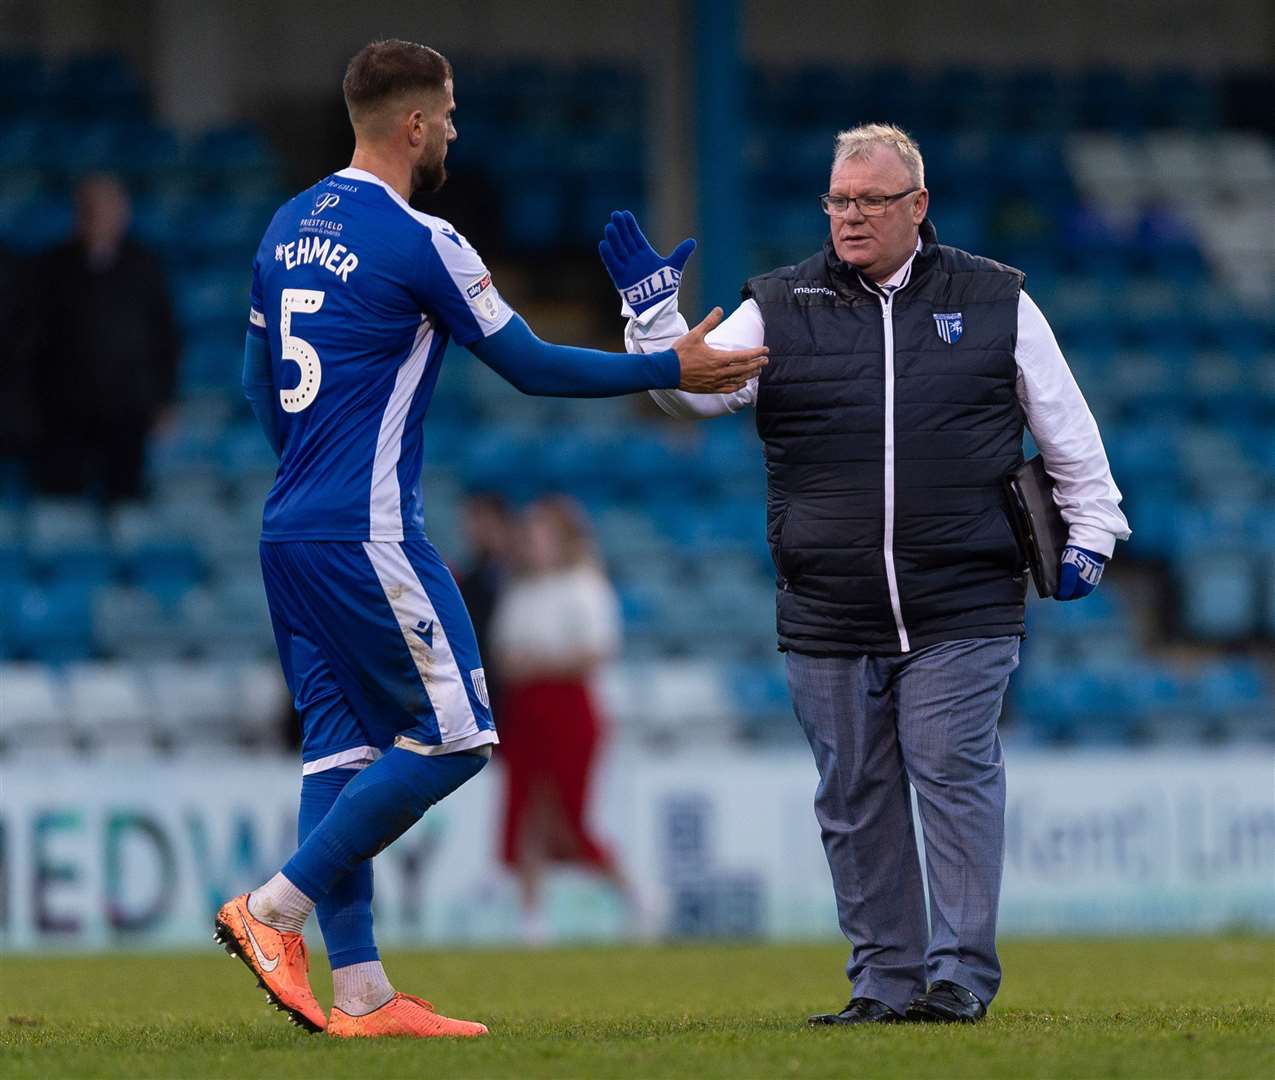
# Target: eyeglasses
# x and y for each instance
(868, 205)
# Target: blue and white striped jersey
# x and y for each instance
(356, 294)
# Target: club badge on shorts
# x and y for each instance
(950, 326)
(479, 678)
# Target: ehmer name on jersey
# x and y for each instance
(310, 249)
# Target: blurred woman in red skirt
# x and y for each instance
(555, 625)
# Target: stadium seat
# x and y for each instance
(244, 448)
(166, 568)
(36, 224)
(87, 565)
(109, 707)
(205, 298)
(689, 702)
(1221, 603)
(237, 148)
(1233, 687)
(23, 78)
(1066, 705)
(212, 363)
(53, 522)
(197, 705)
(153, 165)
(34, 713)
(263, 701)
(16, 567)
(101, 84)
(228, 621)
(134, 623)
(52, 624)
(623, 690)
(761, 695)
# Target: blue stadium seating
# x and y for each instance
(52, 624)
(1180, 373)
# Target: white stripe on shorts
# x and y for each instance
(482, 737)
(442, 679)
(357, 757)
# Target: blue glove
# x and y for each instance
(643, 277)
(1079, 572)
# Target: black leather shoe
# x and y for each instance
(947, 1003)
(859, 1011)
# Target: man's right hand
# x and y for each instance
(706, 370)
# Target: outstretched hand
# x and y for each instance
(642, 275)
(706, 370)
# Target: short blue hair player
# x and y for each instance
(354, 298)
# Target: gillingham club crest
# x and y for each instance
(950, 326)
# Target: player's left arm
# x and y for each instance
(258, 386)
(456, 286)
(544, 369)
(1066, 433)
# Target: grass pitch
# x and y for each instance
(1146, 1008)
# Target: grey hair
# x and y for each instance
(861, 141)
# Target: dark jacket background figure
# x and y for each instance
(101, 351)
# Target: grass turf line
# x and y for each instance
(1164, 1008)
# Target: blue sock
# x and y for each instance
(375, 808)
(345, 913)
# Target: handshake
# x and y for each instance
(645, 278)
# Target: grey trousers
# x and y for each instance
(875, 723)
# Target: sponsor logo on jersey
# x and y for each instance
(320, 225)
(812, 290)
(316, 222)
(483, 298)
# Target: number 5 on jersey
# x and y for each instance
(298, 350)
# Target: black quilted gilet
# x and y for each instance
(957, 427)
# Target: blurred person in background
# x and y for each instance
(551, 727)
(901, 374)
(101, 351)
(354, 298)
(490, 528)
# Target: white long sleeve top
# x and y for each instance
(1056, 412)
(573, 611)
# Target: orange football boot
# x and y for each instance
(403, 1015)
(278, 958)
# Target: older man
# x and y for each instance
(900, 375)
